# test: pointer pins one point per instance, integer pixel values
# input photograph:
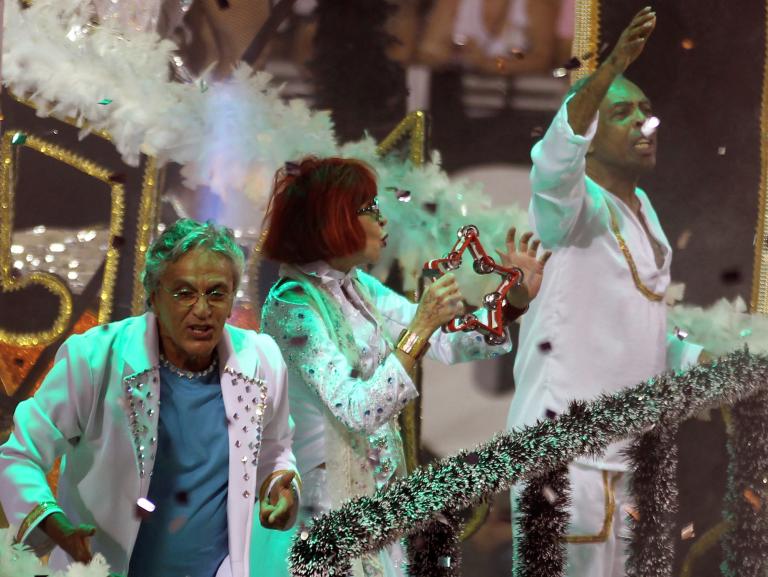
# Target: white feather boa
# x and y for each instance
(722, 327)
(229, 136)
(18, 561)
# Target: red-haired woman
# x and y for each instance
(350, 343)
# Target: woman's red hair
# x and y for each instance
(312, 214)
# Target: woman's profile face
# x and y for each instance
(372, 223)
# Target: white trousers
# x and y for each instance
(598, 529)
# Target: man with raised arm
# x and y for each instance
(600, 321)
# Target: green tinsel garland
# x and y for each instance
(746, 544)
(653, 482)
(543, 522)
(435, 551)
(455, 483)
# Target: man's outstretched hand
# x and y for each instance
(632, 40)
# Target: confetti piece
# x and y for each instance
(517, 54)
(444, 561)
(560, 72)
(430, 207)
(537, 131)
(753, 499)
(687, 44)
(472, 458)
(745, 333)
(684, 239)
(403, 195)
(304, 535)
(105, 101)
(681, 334)
(650, 126)
(721, 150)
(545, 346)
(687, 532)
(632, 512)
(459, 39)
(176, 524)
(731, 276)
(549, 494)
(573, 64)
(117, 241)
(144, 508)
(118, 177)
(550, 414)
(182, 497)
(18, 138)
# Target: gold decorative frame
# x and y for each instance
(760, 270)
(586, 37)
(415, 126)
(147, 222)
(10, 155)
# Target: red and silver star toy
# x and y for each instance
(493, 302)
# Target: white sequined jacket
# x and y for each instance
(346, 386)
(99, 405)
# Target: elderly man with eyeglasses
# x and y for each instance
(171, 424)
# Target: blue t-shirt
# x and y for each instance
(186, 535)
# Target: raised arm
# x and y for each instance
(584, 105)
(561, 198)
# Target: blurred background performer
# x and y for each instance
(350, 342)
(600, 321)
(165, 488)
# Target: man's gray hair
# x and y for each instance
(184, 236)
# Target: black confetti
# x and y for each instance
(731, 276)
(430, 207)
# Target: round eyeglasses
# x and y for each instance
(186, 297)
(372, 209)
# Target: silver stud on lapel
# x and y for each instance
(246, 494)
(237, 443)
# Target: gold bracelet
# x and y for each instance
(412, 344)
